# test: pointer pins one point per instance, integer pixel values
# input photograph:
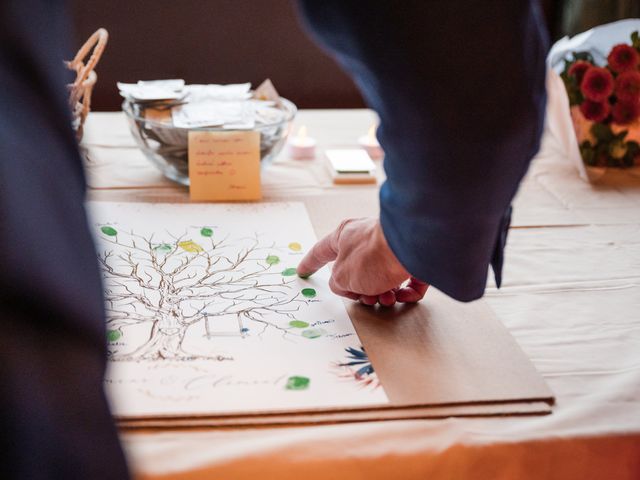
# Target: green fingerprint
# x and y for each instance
(112, 232)
(113, 335)
(289, 272)
(309, 292)
(298, 324)
(163, 248)
(313, 333)
(206, 232)
(273, 259)
(298, 383)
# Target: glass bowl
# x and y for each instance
(166, 145)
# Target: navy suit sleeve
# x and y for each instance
(54, 418)
(459, 88)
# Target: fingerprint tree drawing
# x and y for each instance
(170, 285)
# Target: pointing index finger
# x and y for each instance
(321, 253)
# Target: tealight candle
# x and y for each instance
(370, 143)
(302, 146)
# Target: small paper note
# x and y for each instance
(350, 161)
(175, 84)
(159, 115)
(228, 114)
(226, 93)
(152, 90)
(266, 91)
(224, 166)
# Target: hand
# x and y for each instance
(365, 268)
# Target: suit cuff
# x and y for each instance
(452, 254)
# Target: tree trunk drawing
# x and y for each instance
(169, 286)
(165, 341)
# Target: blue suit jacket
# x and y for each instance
(54, 420)
(459, 88)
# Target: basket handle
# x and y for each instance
(96, 42)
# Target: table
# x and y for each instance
(570, 297)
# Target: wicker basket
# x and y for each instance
(80, 90)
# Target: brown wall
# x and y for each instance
(215, 41)
(221, 41)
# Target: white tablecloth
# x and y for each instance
(571, 298)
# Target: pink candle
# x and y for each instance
(302, 146)
(370, 143)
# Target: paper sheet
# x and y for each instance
(206, 314)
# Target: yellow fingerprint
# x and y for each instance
(295, 246)
(190, 246)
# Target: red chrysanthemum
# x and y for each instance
(623, 58)
(626, 112)
(596, 111)
(578, 69)
(597, 84)
(628, 86)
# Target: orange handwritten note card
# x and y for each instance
(224, 166)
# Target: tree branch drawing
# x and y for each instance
(173, 284)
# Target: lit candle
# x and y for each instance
(370, 143)
(302, 146)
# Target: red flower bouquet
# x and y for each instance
(605, 105)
